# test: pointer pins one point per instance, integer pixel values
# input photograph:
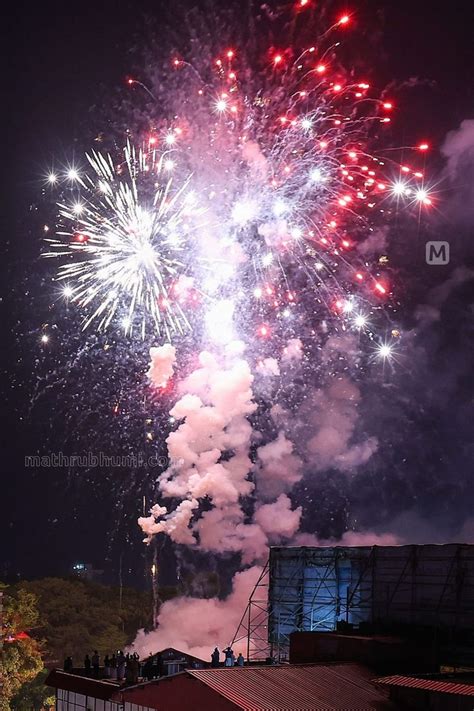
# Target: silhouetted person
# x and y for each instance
(215, 658)
(240, 660)
(148, 668)
(121, 665)
(95, 664)
(68, 665)
(87, 665)
(107, 666)
(134, 666)
(113, 667)
(229, 657)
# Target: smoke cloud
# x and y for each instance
(195, 626)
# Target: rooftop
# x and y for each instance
(97, 688)
(440, 685)
(307, 687)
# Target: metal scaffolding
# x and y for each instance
(317, 589)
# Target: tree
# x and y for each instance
(20, 655)
(34, 695)
(78, 616)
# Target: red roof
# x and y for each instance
(302, 687)
(444, 687)
(99, 689)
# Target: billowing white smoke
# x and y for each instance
(209, 454)
(162, 364)
(210, 461)
(196, 626)
(278, 468)
(334, 419)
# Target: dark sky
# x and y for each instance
(60, 60)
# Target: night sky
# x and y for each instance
(61, 61)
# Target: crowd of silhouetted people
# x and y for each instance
(127, 667)
(230, 660)
(117, 666)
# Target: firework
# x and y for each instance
(124, 248)
(255, 196)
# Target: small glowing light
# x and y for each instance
(103, 187)
(77, 208)
(360, 321)
(337, 87)
(52, 178)
(67, 292)
(169, 165)
(230, 54)
(257, 292)
(323, 144)
(421, 195)
(221, 105)
(277, 59)
(72, 174)
(321, 68)
(405, 169)
(152, 140)
(388, 105)
(343, 20)
(380, 288)
(316, 175)
(45, 228)
(399, 188)
(44, 338)
(296, 233)
(347, 307)
(318, 266)
(385, 350)
(423, 147)
(126, 323)
(170, 139)
(244, 211)
(279, 208)
(306, 123)
(263, 331)
(267, 259)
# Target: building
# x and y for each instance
(79, 693)
(86, 571)
(440, 692)
(288, 688)
(394, 590)
(170, 661)
(381, 654)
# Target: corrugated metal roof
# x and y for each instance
(97, 688)
(444, 687)
(295, 688)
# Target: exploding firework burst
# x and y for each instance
(125, 245)
(276, 191)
